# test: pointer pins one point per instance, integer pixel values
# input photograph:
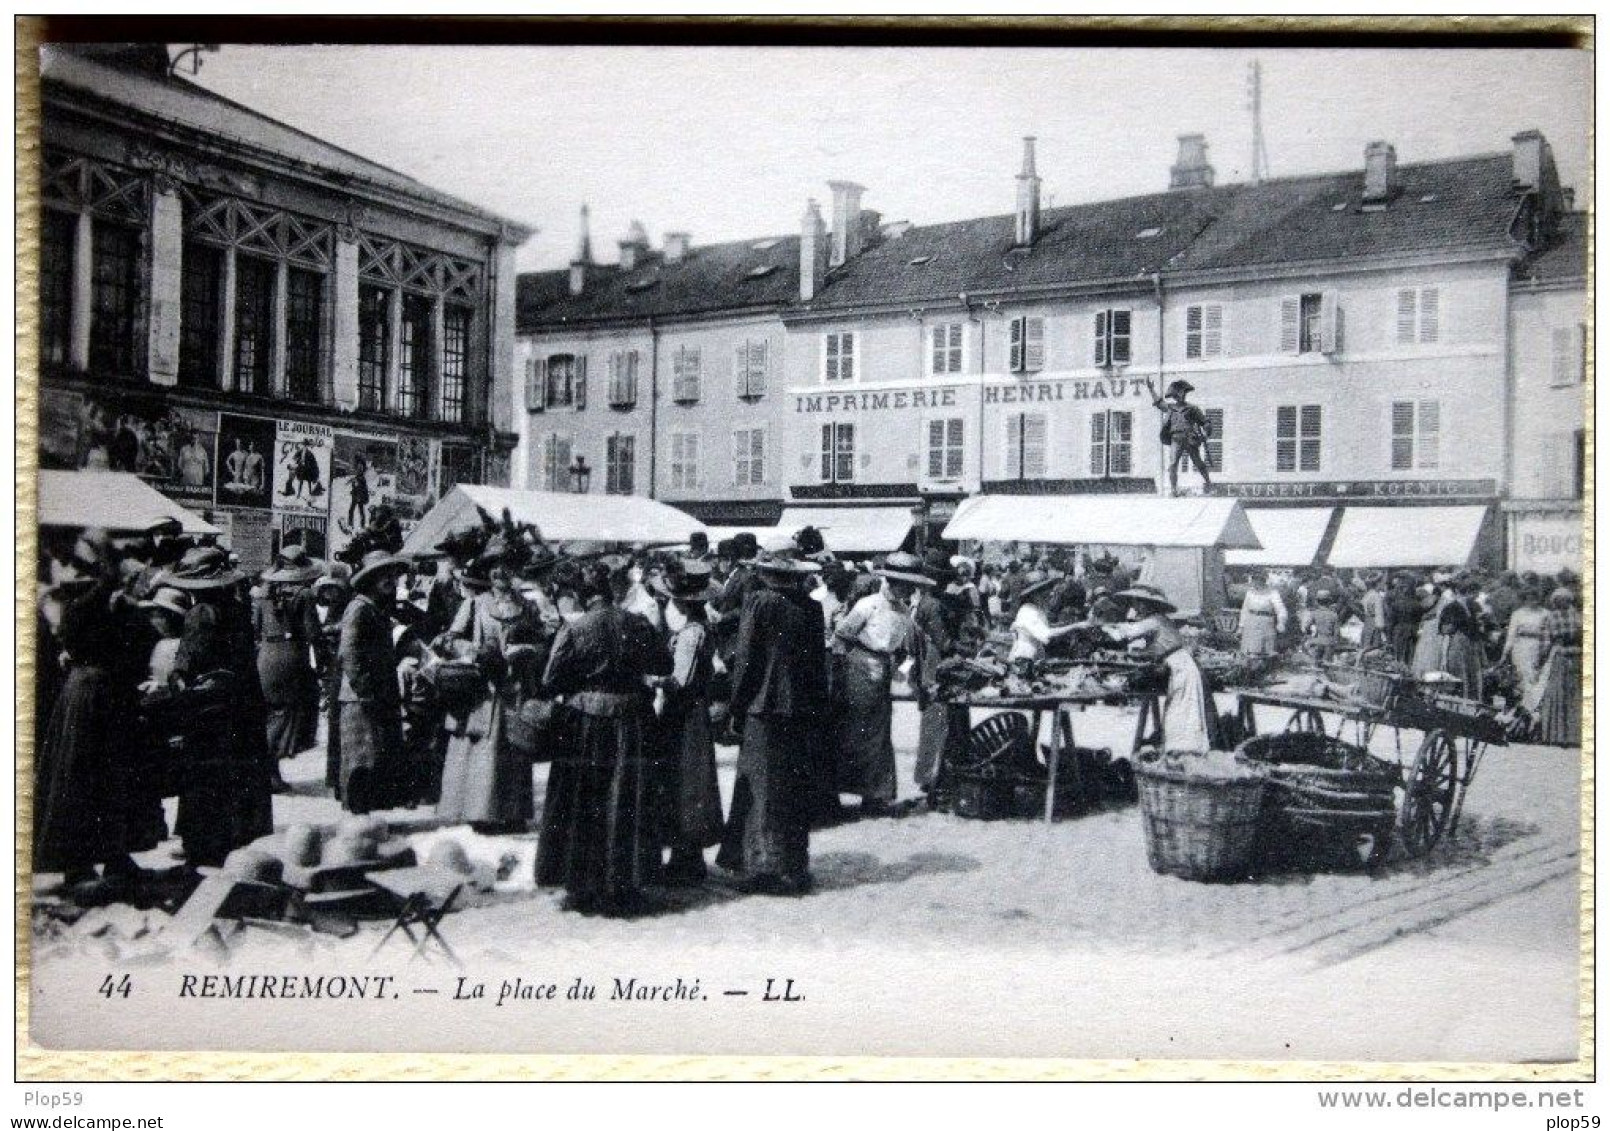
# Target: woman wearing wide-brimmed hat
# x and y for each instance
(225, 797)
(692, 794)
(284, 655)
(779, 700)
(877, 634)
(1190, 722)
(165, 609)
(331, 591)
(372, 772)
(93, 805)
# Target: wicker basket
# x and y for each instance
(1329, 803)
(1198, 828)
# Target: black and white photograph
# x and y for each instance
(1071, 552)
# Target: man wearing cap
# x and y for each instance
(371, 704)
(1185, 430)
(877, 632)
(779, 698)
(727, 608)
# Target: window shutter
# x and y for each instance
(1013, 466)
(936, 359)
(579, 382)
(757, 456)
(1015, 363)
(936, 449)
(1118, 320)
(827, 453)
(757, 367)
(631, 378)
(1430, 304)
(1034, 458)
(1402, 435)
(1101, 337)
(1286, 438)
(1120, 434)
(1212, 330)
(1308, 456)
(847, 357)
(561, 453)
(1428, 439)
(1406, 317)
(536, 384)
(1033, 344)
(740, 370)
(1328, 319)
(1290, 316)
(1570, 352)
(954, 448)
(1098, 444)
(1193, 331)
(957, 362)
(1214, 448)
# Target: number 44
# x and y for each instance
(118, 987)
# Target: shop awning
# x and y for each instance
(1406, 536)
(1290, 537)
(851, 530)
(110, 500)
(561, 517)
(1110, 520)
(719, 534)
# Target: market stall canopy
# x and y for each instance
(110, 500)
(1110, 520)
(1290, 536)
(1372, 537)
(562, 517)
(719, 534)
(852, 530)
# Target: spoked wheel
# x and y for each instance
(1306, 720)
(1429, 794)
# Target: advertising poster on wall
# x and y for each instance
(169, 447)
(309, 530)
(251, 538)
(363, 471)
(302, 468)
(245, 446)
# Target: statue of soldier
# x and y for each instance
(1185, 430)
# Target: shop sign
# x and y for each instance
(894, 399)
(1042, 392)
(1363, 489)
(1547, 543)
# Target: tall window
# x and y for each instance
(304, 334)
(1026, 345)
(1204, 330)
(414, 358)
(1025, 446)
(623, 379)
(749, 457)
(1112, 443)
(1297, 437)
(620, 463)
(1213, 450)
(201, 291)
(114, 297)
(254, 324)
(945, 348)
(749, 369)
(556, 462)
(1570, 349)
(57, 235)
(686, 374)
(838, 357)
(945, 448)
(838, 453)
(1415, 434)
(455, 361)
(684, 461)
(1112, 337)
(1310, 323)
(374, 346)
(1418, 315)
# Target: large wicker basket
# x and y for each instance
(1197, 827)
(1329, 803)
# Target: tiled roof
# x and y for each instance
(1565, 256)
(1444, 206)
(186, 104)
(760, 272)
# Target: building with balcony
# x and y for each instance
(230, 307)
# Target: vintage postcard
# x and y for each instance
(906, 550)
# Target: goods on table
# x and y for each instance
(1201, 813)
(1328, 804)
(1231, 668)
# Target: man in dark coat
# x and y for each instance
(727, 609)
(779, 691)
(1185, 430)
(372, 774)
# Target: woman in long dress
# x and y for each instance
(1464, 645)
(600, 840)
(284, 659)
(373, 771)
(1263, 618)
(693, 795)
(1523, 644)
(1430, 648)
(1190, 723)
(1559, 703)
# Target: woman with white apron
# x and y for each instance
(1189, 718)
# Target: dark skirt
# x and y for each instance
(941, 742)
(225, 795)
(866, 744)
(289, 689)
(598, 837)
(373, 769)
(1464, 659)
(768, 831)
(1559, 709)
(93, 804)
(692, 794)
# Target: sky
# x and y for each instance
(730, 143)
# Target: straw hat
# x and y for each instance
(337, 575)
(1037, 588)
(901, 566)
(169, 601)
(376, 563)
(1148, 595)
(295, 567)
(780, 555)
(693, 582)
(205, 567)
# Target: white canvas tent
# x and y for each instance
(561, 517)
(110, 500)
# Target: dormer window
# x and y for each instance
(1148, 233)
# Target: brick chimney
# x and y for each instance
(676, 246)
(1027, 228)
(583, 258)
(1191, 169)
(812, 252)
(1530, 152)
(1380, 172)
(634, 246)
(846, 221)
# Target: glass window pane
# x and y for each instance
(254, 323)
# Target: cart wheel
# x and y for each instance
(1307, 720)
(1429, 793)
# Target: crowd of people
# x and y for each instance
(165, 671)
